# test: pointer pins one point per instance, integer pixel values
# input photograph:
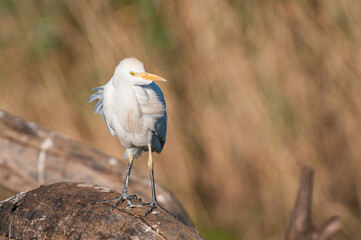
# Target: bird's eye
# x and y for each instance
(132, 73)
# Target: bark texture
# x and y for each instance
(66, 211)
(31, 155)
(301, 226)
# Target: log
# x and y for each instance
(301, 226)
(31, 155)
(66, 210)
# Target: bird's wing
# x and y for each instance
(99, 106)
(160, 129)
(160, 125)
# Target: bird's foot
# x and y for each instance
(120, 199)
(153, 204)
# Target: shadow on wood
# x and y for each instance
(66, 210)
(301, 226)
(30, 154)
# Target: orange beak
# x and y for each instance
(150, 76)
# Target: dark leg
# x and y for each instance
(154, 203)
(124, 195)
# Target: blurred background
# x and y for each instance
(256, 89)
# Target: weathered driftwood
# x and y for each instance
(30, 154)
(301, 226)
(66, 211)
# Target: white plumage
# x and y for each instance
(134, 109)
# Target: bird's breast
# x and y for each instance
(133, 121)
(132, 112)
(123, 112)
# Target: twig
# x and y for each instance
(301, 226)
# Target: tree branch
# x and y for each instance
(67, 210)
(301, 226)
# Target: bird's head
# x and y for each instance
(131, 72)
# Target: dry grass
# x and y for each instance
(256, 89)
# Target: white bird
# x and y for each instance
(134, 109)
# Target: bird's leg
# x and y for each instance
(127, 176)
(154, 203)
(124, 195)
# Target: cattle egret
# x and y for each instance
(134, 109)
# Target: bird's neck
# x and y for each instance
(118, 84)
